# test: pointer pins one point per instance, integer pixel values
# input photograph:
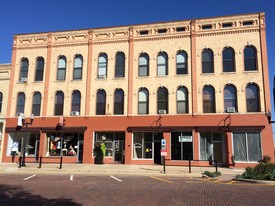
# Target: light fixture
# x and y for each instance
(268, 115)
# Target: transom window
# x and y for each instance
(61, 70)
(228, 57)
(143, 65)
(162, 64)
(36, 104)
(209, 99)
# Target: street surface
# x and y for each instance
(41, 189)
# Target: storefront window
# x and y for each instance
(31, 141)
(65, 144)
(142, 147)
(247, 146)
(181, 145)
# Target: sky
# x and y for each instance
(32, 16)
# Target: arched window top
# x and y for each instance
(181, 56)
(208, 91)
(102, 57)
(252, 90)
(59, 97)
(78, 60)
(143, 94)
(143, 59)
(182, 93)
(207, 55)
(162, 57)
(21, 96)
(101, 95)
(24, 62)
(119, 95)
(37, 97)
(250, 51)
(62, 62)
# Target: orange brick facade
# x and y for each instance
(132, 136)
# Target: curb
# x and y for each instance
(255, 181)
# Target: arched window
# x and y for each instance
(24, 67)
(119, 102)
(20, 106)
(250, 58)
(61, 70)
(207, 61)
(209, 100)
(78, 65)
(102, 66)
(120, 65)
(36, 104)
(228, 60)
(143, 101)
(39, 70)
(252, 98)
(143, 65)
(76, 101)
(182, 62)
(230, 97)
(1, 101)
(162, 64)
(162, 98)
(182, 100)
(59, 103)
(101, 102)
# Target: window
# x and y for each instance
(102, 66)
(143, 101)
(59, 103)
(207, 61)
(209, 99)
(61, 70)
(1, 101)
(162, 64)
(20, 106)
(101, 102)
(247, 146)
(143, 65)
(36, 104)
(252, 98)
(230, 97)
(182, 100)
(65, 144)
(142, 148)
(78, 64)
(24, 67)
(31, 142)
(250, 58)
(162, 96)
(120, 65)
(228, 57)
(39, 71)
(181, 62)
(76, 101)
(119, 102)
(181, 146)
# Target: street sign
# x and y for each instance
(163, 152)
(163, 143)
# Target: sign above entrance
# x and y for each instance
(185, 138)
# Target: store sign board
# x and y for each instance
(185, 138)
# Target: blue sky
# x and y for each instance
(31, 16)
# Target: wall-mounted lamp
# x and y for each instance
(268, 115)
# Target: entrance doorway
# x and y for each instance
(157, 147)
(119, 151)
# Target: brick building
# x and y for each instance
(202, 85)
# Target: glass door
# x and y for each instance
(118, 150)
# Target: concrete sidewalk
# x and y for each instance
(116, 169)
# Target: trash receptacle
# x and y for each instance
(98, 155)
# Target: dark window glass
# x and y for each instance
(120, 65)
(76, 101)
(230, 97)
(1, 100)
(252, 98)
(228, 57)
(143, 101)
(182, 100)
(101, 102)
(78, 64)
(102, 66)
(207, 61)
(162, 97)
(39, 71)
(181, 146)
(209, 100)
(61, 70)
(182, 63)
(119, 102)
(143, 65)
(24, 67)
(59, 103)
(36, 104)
(250, 58)
(20, 106)
(162, 64)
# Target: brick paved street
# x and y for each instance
(129, 190)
